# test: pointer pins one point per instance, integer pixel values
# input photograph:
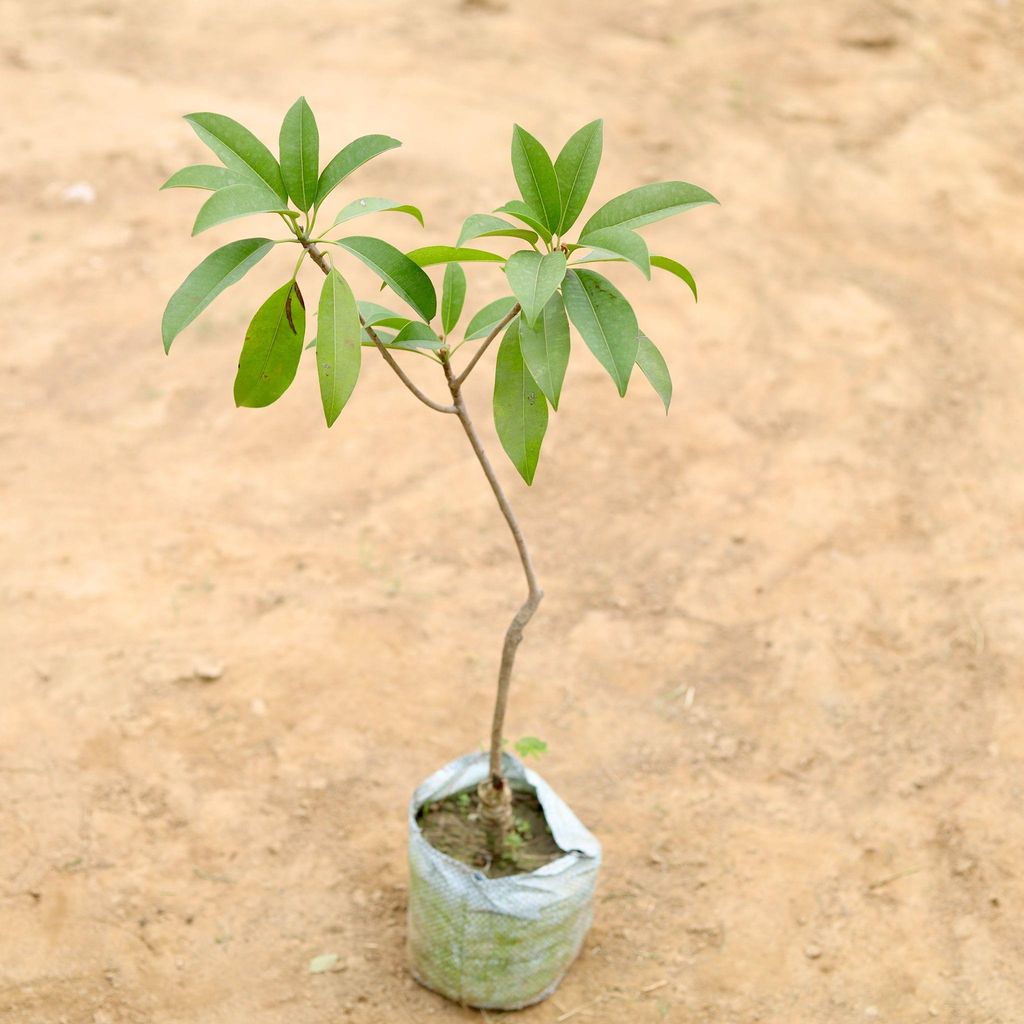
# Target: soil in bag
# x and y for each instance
(453, 826)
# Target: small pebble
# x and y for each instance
(80, 192)
(812, 952)
(208, 671)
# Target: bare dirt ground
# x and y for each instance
(779, 662)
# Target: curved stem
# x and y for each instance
(318, 258)
(510, 316)
(514, 633)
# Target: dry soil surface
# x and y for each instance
(779, 660)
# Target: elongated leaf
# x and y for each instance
(536, 178)
(374, 315)
(417, 335)
(521, 211)
(646, 204)
(239, 149)
(484, 321)
(673, 267)
(520, 411)
(384, 337)
(205, 176)
(338, 349)
(545, 348)
(605, 320)
(237, 201)
(272, 349)
(399, 272)
(431, 255)
(300, 154)
(354, 155)
(533, 279)
(453, 296)
(484, 225)
(220, 269)
(576, 169)
(374, 204)
(655, 369)
(625, 243)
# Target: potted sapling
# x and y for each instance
(502, 873)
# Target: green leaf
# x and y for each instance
(205, 176)
(354, 155)
(655, 369)
(533, 278)
(666, 263)
(576, 169)
(300, 154)
(536, 178)
(625, 243)
(338, 350)
(393, 267)
(453, 296)
(645, 205)
(605, 320)
(239, 149)
(484, 225)
(237, 201)
(521, 211)
(374, 315)
(489, 317)
(545, 348)
(430, 255)
(384, 337)
(520, 411)
(220, 269)
(530, 745)
(416, 335)
(374, 204)
(272, 349)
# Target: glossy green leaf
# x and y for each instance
(374, 204)
(417, 335)
(545, 348)
(520, 410)
(576, 169)
(605, 320)
(521, 211)
(374, 315)
(384, 337)
(431, 255)
(338, 349)
(625, 243)
(239, 149)
(484, 321)
(654, 368)
(673, 267)
(533, 278)
(536, 178)
(354, 155)
(206, 176)
(272, 349)
(400, 273)
(646, 204)
(220, 269)
(484, 225)
(237, 201)
(453, 296)
(300, 154)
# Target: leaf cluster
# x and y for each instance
(553, 288)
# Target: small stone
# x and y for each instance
(258, 707)
(80, 192)
(208, 671)
(812, 952)
(871, 1011)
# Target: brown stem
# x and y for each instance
(514, 633)
(318, 258)
(512, 314)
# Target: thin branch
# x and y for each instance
(512, 313)
(514, 633)
(318, 258)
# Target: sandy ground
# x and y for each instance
(779, 662)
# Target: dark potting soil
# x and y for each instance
(453, 826)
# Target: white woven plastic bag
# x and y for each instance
(498, 943)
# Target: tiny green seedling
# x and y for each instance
(549, 277)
